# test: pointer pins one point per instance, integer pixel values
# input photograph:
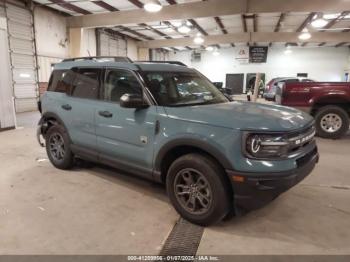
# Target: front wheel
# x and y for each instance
(331, 122)
(198, 190)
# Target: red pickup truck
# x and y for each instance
(327, 102)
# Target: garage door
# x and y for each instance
(21, 40)
(111, 45)
(2, 10)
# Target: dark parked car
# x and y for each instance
(328, 102)
(272, 85)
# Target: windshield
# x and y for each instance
(182, 89)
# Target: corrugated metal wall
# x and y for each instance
(111, 45)
(21, 39)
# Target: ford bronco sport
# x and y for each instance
(169, 123)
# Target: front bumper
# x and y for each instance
(254, 190)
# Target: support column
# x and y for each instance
(75, 41)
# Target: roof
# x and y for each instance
(144, 66)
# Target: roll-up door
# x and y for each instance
(2, 11)
(111, 45)
(21, 41)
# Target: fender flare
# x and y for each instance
(194, 142)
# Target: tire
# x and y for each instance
(59, 153)
(212, 194)
(338, 125)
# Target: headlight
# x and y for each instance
(265, 146)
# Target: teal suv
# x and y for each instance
(169, 123)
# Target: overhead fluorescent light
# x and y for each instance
(305, 35)
(152, 6)
(184, 29)
(176, 23)
(331, 16)
(209, 48)
(198, 39)
(319, 23)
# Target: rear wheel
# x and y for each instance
(58, 147)
(198, 190)
(331, 122)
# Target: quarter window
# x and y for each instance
(118, 83)
(55, 83)
(86, 83)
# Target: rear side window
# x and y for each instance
(86, 83)
(55, 83)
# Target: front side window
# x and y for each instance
(120, 82)
(182, 89)
(86, 83)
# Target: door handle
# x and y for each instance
(66, 107)
(105, 114)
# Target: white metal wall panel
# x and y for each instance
(45, 67)
(21, 39)
(111, 45)
(7, 112)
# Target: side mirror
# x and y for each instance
(132, 101)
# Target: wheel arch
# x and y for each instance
(49, 119)
(331, 100)
(179, 147)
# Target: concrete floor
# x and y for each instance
(95, 210)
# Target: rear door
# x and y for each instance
(125, 136)
(79, 106)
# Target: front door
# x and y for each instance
(125, 136)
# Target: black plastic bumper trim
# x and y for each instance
(258, 189)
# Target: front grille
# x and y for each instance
(306, 158)
(300, 139)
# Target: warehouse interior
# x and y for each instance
(97, 210)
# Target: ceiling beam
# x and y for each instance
(334, 37)
(255, 23)
(340, 44)
(105, 6)
(279, 24)
(140, 5)
(220, 24)
(138, 34)
(333, 22)
(71, 7)
(192, 21)
(280, 21)
(210, 8)
(197, 26)
(304, 24)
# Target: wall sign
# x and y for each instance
(242, 55)
(258, 54)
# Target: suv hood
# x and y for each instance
(243, 115)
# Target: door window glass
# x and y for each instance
(55, 83)
(86, 83)
(118, 83)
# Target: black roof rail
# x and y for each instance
(163, 62)
(124, 59)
